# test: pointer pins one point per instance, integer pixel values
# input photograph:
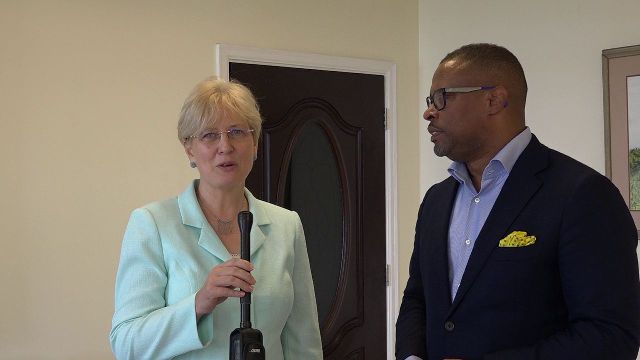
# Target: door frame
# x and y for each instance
(226, 53)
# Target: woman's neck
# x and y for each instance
(223, 204)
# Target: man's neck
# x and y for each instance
(476, 167)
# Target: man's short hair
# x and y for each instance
(494, 60)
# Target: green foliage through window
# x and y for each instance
(634, 179)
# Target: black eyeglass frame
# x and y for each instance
(442, 94)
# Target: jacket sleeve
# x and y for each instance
(411, 323)
(301, 334)
(143, 326)
(598, 266)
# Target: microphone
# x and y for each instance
(245, 342)
(245, 220)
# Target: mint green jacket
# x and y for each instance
(167, 252)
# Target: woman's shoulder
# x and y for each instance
(161, 206)
(159, 210)
(170, 207)
(274, 210)
(267, 212)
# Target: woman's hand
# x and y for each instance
(222, 282)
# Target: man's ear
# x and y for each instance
(498, 99)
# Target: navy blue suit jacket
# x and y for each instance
(573, 294)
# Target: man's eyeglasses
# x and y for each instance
(439, 97)
(213, 137)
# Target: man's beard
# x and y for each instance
(440, 149)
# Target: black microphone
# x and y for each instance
(245, 343)
(245, 220)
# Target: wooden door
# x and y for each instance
(322, 155)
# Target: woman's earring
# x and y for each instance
(192, 164)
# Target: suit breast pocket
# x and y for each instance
(522, 253)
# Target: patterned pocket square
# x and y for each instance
(517, 239)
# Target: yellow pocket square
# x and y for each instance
(517, 239)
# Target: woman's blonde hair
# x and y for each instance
(213, 98)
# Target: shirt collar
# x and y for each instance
(505, 158)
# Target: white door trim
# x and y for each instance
(231, 53)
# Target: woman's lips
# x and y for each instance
(227, 165)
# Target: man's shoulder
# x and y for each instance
(440, 193)
(565, 165)
(554, 162)
(447, 184)
(569, 177)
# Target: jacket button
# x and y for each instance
(449, 325)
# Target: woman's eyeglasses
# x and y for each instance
(213, 137)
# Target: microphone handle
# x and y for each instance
(245, 220)
(245, 343)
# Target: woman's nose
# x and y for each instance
(224, 145)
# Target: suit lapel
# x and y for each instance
(261, 222)
(193, 216)
(518, 189)
(210, 241)
(436, 249)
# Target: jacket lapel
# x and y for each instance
(518, 189)
(193, 216)
(210, 241)
(436, 248)
(261, 222)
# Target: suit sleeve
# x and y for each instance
(411, 323)
(144, 327)
(301, 334)
(599, 273)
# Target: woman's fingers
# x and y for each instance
(234, 273)
(230, 275)
(232, 282)
(243, 264)
(227, 293)
(235, 268)
(230, 279)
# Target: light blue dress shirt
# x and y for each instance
(167, 252)
(471, 207)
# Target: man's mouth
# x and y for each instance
(434, 131)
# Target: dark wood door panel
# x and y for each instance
(346, 110)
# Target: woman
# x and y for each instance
(179, 259)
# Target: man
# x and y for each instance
(522, 253)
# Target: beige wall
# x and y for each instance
(89, 96)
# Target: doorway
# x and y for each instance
(323, 154)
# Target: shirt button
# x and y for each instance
(449, 325)
(477, 200)
(468, 242)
